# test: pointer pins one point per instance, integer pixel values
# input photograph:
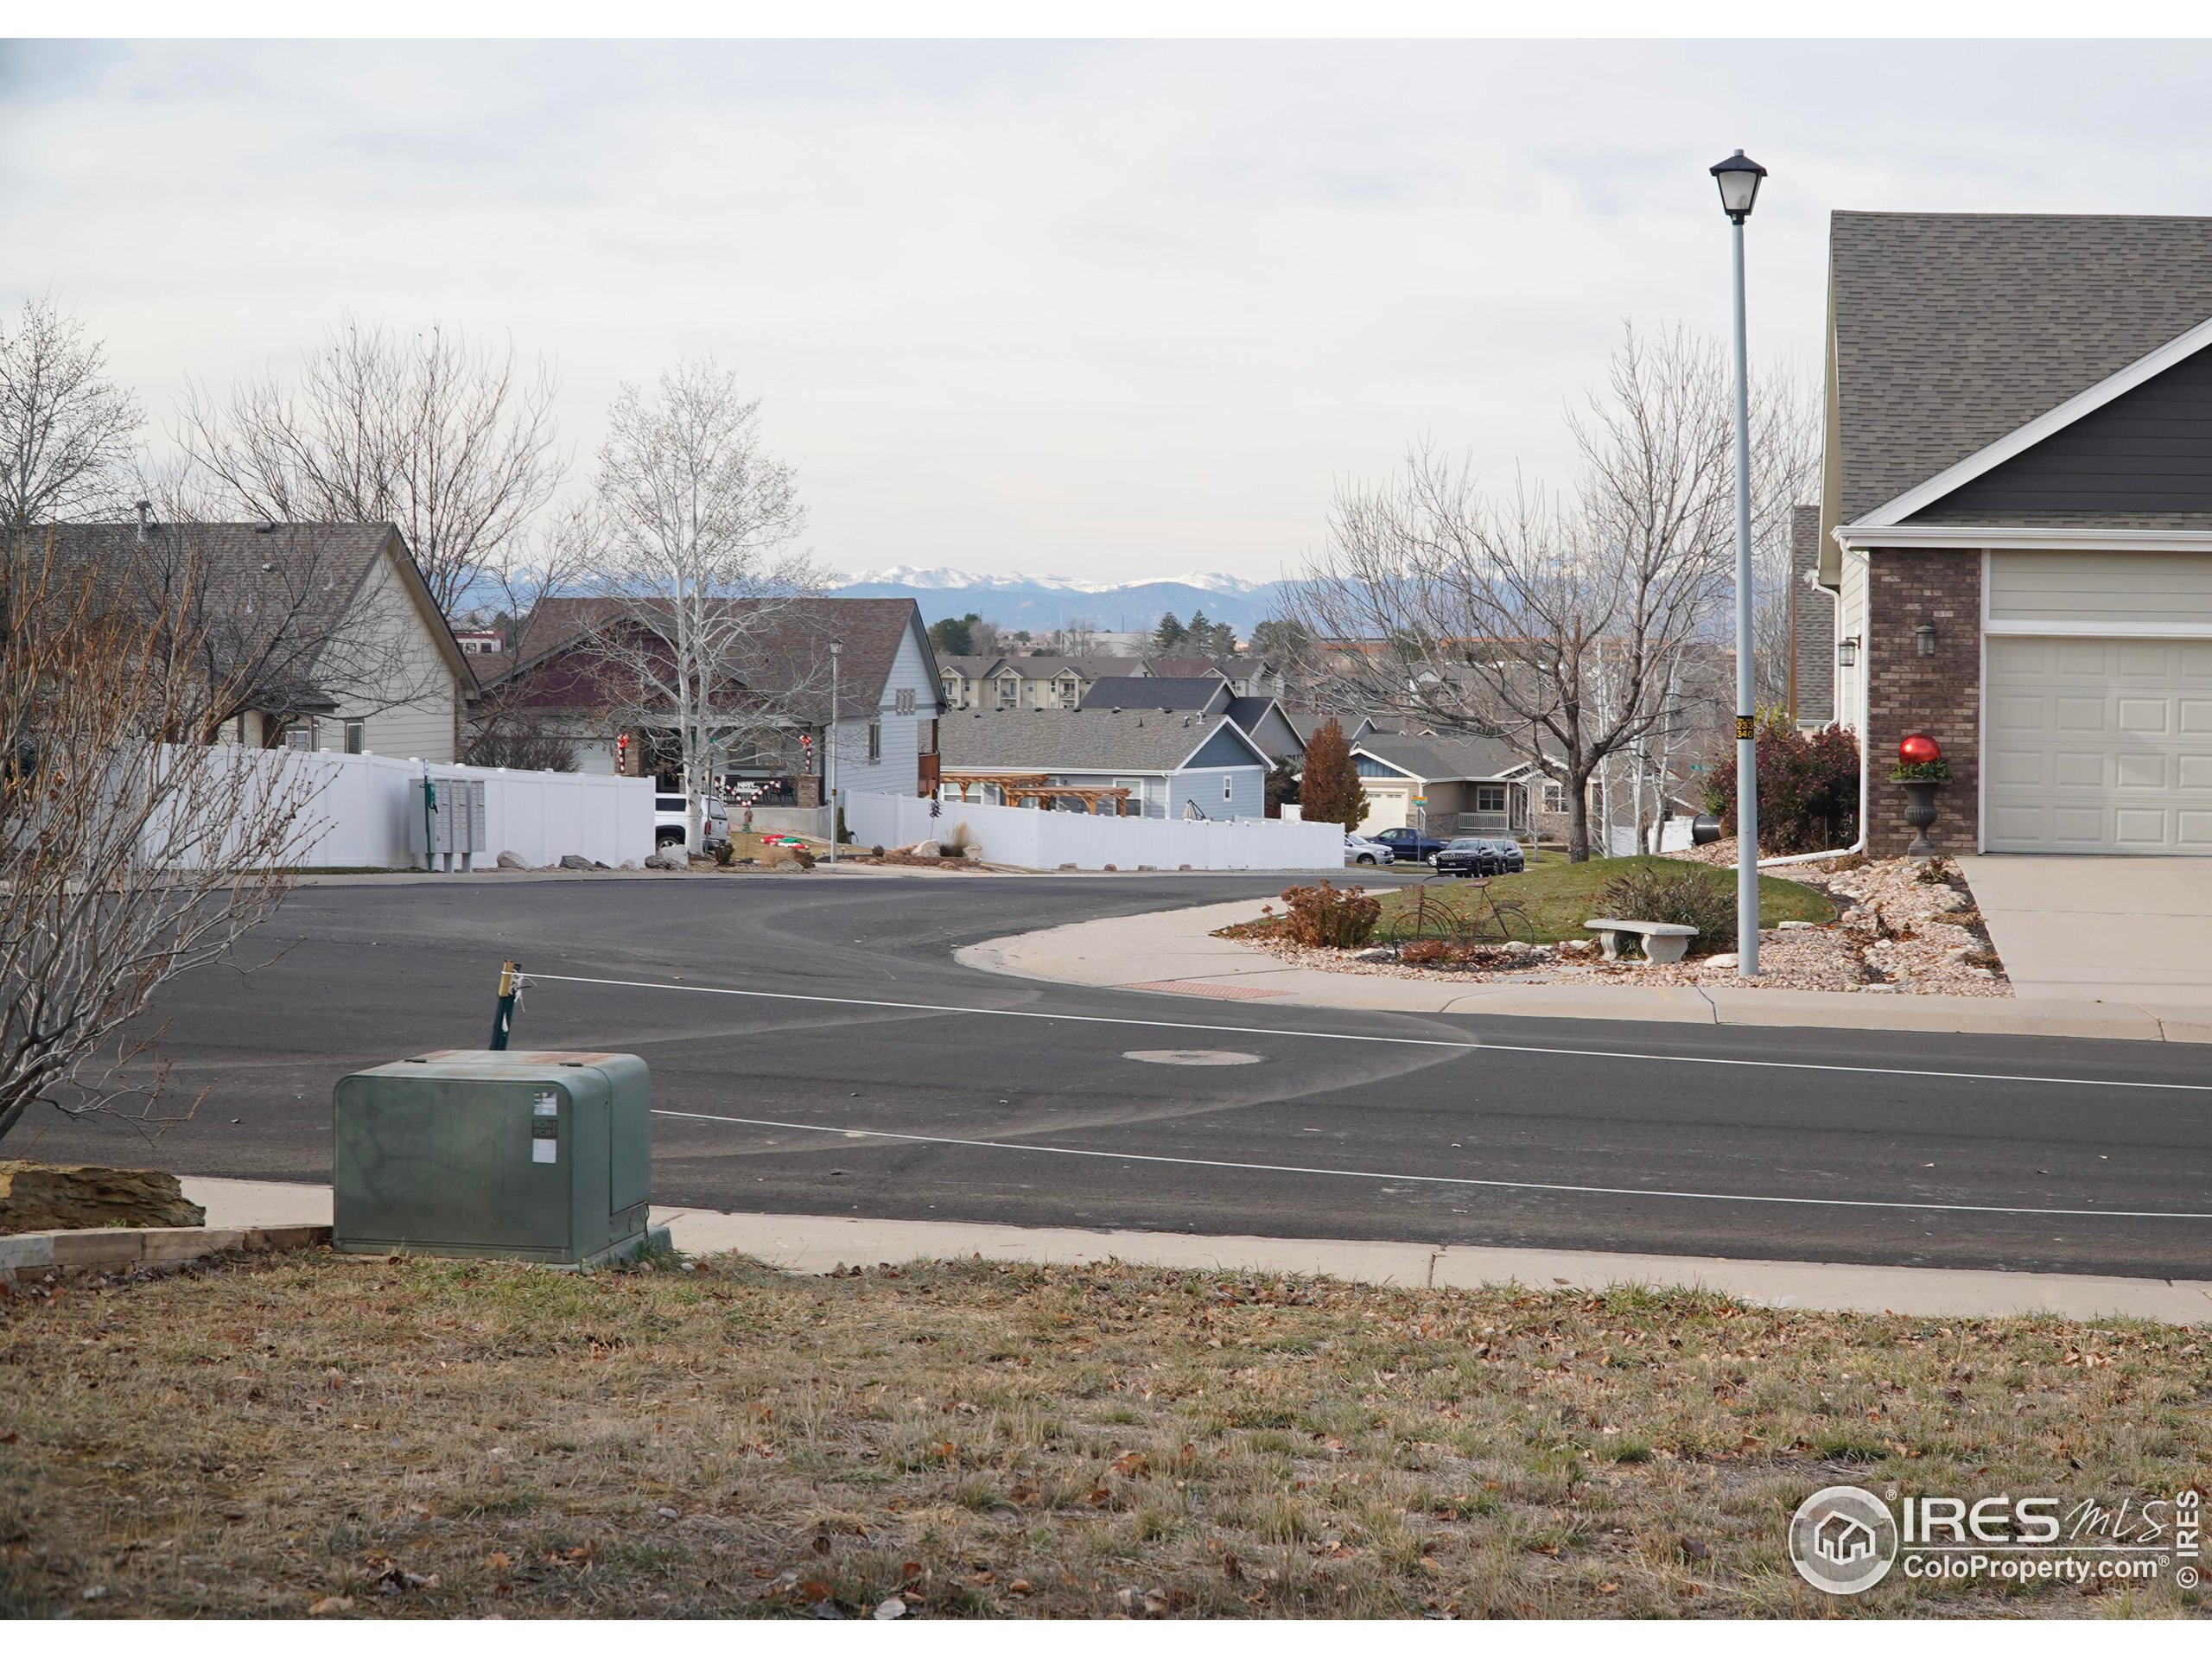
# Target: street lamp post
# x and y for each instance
(829, 758)
(1738, 178)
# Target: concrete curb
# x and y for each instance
(1174, 952)
(108, 1249)
(819, 1244)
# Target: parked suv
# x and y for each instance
(1411, 846)
(670, 829)
(1509, 859)
(1470, 856)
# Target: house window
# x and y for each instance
(1490, 797)
(300, 737)
(875, 741)
(1554, 795)
(1132, 803)
(1071, 693)
(1227, 787)
(902, 700)
(1009, 691)
(357, 732)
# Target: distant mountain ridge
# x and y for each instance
(1044, 603)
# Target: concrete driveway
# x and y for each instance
(2110, 930)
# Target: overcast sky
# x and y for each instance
(1099, 310)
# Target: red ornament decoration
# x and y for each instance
(1918, 749)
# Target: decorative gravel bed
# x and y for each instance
(1903, 928)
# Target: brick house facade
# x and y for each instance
(1940, 695)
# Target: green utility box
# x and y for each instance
(537, 1156)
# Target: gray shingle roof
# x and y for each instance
(1148, 691)
(1072, 739)
(1953, 329)
(1443, 757)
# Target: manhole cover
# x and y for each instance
(1191, 1056)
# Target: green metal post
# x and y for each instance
(503, 1021)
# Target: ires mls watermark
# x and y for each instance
(1844, 1539)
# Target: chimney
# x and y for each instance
(145, 519)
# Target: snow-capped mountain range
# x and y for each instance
(1038, 601)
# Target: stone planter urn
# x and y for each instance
(1920, 813)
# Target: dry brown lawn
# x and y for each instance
(282, 1434)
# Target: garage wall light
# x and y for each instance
(1924, 637)
(1846, 652)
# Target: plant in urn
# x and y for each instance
(1922, 771)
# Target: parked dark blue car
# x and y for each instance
(1410, 845)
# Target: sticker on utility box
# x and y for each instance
(545, 1128)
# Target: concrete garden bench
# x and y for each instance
(1663, 941)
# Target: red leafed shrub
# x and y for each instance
(1809, 788)
(1325, 916)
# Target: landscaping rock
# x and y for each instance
(1795, 927)
(575, 861)
(1728, 959)
(47, 1198)
(1378, 953)
(513, 861)
(668, 862)
(974, 855)
(928, 849)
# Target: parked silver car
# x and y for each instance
(1358, 849)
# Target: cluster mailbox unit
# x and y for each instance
(537, 1156)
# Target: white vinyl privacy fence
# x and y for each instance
(1050, 840)
(360, 808)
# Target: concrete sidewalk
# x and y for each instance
(1175, 951)
(818, 1243)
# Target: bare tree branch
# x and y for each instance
(66, 431)
(445, 438)
(701, 524)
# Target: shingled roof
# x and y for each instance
(1442, 758)
(1953, 330)
(1153, 691)
(1074, 739)
(790, 649)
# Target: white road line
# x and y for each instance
(1444, 1181)
(1362, 1037)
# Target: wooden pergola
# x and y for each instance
(1034, 788)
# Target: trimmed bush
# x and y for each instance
(1689, 895)
(1325, 916)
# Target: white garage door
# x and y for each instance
(2098, 746)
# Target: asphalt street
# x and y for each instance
(976, 1098)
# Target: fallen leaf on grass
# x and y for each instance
(891, 1607)
(1019, 1587)
(499, 1560)
(330, 1605)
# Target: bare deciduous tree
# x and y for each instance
(67, 431)
(445, 438)
(1556, 624)
(701, 524)
(129, 852)
(1785, 470)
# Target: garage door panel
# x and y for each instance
(2098, 746)
(2072, 771)
(2139, 826)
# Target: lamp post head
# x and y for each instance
(836, 646)
(1738, 178)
